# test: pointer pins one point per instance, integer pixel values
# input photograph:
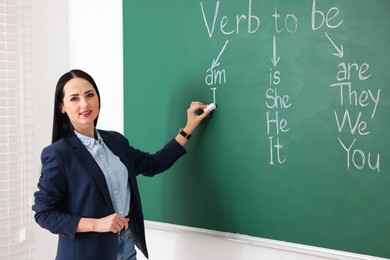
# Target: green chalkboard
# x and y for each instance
(298, 148)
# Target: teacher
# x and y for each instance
(87, 191)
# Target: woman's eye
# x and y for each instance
(74, 99)
(90, 94)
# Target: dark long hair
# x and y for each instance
(61, 123)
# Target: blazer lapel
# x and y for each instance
(92, 166)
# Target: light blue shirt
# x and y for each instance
(114, 171)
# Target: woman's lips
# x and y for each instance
(86, 113)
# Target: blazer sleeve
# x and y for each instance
(151, 164)
(52, 188)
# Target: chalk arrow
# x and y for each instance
(216, 60)
(274, 59)
(339, 51)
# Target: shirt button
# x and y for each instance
(115, 191)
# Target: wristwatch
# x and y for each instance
(184, 134)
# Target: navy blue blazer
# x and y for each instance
(72, 186)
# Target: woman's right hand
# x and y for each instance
(112, 223)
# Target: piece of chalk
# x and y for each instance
(209, 108)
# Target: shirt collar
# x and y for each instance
(88, 141)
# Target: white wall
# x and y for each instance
(50, 58)
(87, 34)
(175, 242)
(95, 45)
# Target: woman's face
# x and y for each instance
(81, 104)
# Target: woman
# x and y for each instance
(87, 191)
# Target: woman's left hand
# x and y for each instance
(193, 120)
